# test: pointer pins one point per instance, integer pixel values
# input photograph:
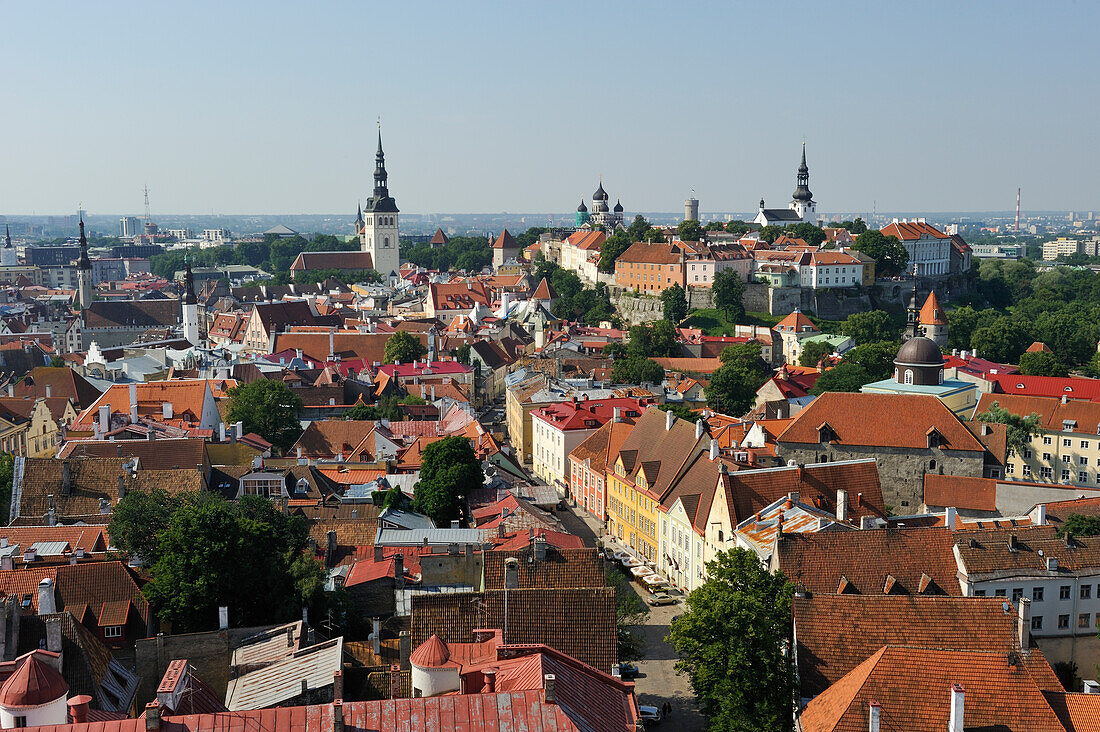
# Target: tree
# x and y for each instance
(733, 642)
(1077, 524)
(685, 413)
(868, 327)
(770, 233)
(962, 322)
(269, 408)
(57, 361)
(888, 252)
(1042, 363)
(690, 230)
(675, 303)
(630, 612)
(615, 245)
(658, 339)
(810, 233)
(1020, 429)
(842, 377)
(732, 388)
(738, 227)
(1002, 341)
(729, 293)
(403, 347)
(638, 229)
(462, 354)
(449, 470)
(139, 519)
(637, 370)
(877, 359)
(814, 353)
(7, 474)
(238, 554)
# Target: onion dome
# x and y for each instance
(618, 207)
(919, 351)
(600, 194)
(432, 653)
(582, 208)
(33, 684)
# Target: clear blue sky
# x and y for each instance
(270, 107)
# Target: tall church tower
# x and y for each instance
(802, 202)
(380, 234)
(190, 307)
(84, 289)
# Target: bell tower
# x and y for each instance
(84, 289)
(380, 234)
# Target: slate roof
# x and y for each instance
(132, 313)
(562, 568)
(917, 561)
(579, 622)
(63, 383)
(781, 214)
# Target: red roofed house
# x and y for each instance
(185, 403)
(580, 253)
(651, 267)
(504, 248)
(588, 463)
(445, 301)
(347, 261)
(929, 248)
(792, 330)
(559, 428)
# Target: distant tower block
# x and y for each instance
(691, 209)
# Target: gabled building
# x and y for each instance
(929, 248)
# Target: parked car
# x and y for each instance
(628, 670)
(662, 598)
(649, 715)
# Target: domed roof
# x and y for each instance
(618, 207)
(33, 684)
(582, 208)
(432, 653)
(600, 194)
(919, 351)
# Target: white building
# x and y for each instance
(830, 268)
(215, 235)
(377, 225)
(929, 248)
(802, 207)
(559, 428)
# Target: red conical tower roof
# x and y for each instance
(432, 653)
(932, 313)
(33, 684)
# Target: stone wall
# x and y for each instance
(637, 310)
(700, 297)
(836, 304)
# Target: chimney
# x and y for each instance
(454, 523)
(1041, 515)
(376, 635)
(539, 549)
(551, 696)
(337, 712)
(49, 391)
(1090, 686)
(290, 636)
(958, 701)
(490, 675)
(121, 488)
(223, 617)
(152, 716)
(166, 409)
(713, 449)
(617, 415)
(669, 419)
(1023, 624)
(698, 428)
(378, 553)
(133, 404)
(874, 716)
(330, 549)
(395, 681)
(78, 708)
(949, 516)
(1065, 399)
(337, 684)
(841, 504)
(53, 635)
(105, 418)
(399, 571)
(47, 604)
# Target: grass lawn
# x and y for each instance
(714, 323)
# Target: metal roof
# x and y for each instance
(50, 548)
(279, 682)
(432, 537)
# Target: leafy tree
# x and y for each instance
(810, 233)
(658, 339)
(614, 245)
(877, 359)
(1080, 525)
(139, 519)
(681, 411)
(738, 227)
(637, 370)
(814, 352)
(1020, 429)
(269, 408)
(855, 228)
(962, 322)
(57, 361)
(732, 388)
(1042, 363)
(638, 229)
(615, 349)
(675, 303)
(888, 252)
(690, 230)
(213, 549)
(733, 643)
(7, 474)
(868, 327)
(403, 347)
(729, 293)
(770, 233)
(1002, 341)
(449, 470)
(842, 377)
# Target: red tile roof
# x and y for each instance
(588, 414)
(587, 240)
(33, 684)
(505, 241)
(1078, 712)
(796, 322)
(652, 253)
(931, 313)
(1073, 416)
(975, 494)
(912, 230)
(1046, 386)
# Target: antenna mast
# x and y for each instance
(1017, 210)
(147, 217)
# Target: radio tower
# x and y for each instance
(1017, 210)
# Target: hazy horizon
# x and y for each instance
(272, 108)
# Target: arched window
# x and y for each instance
(895, 374)
(386, 242)
(908, 376)
(931, 464)
(941, 377)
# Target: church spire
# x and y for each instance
(802, 190)
(380, 175)
(7, 236)
(84, 263)
(189, 297)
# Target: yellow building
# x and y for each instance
(519, 403)
(651, 458)
(32, 426)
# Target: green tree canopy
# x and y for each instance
(738, 227)
(877, 359)
(403, 347)
(656, 339)
(1077, 524)
(675, 303)
(810, 233)
(842, 377)
(683, 412)
(888, 252)
(639, 229)
(1002, 341)
(449, 470)
(733, 643)
(962, 322)
(637, 370)
(732, 388)
(614, 245)
(814, 352)
(269, 408)
(868, 327)
(139, 519)
(770, 233)
(729, 293)
(1042, 363)
(1020, 428)
(690, 230)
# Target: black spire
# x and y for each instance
(912, 325)
(7, 236)
(84, 263)
(802, 190)
(381, 200)
(189, 297)
(358, 216)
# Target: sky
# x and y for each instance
(271, 107)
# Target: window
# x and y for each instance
(1047, 440)
(1082, 476)
(1067, 458)
(1017, 593)
(1045, 472)
(1036, 594)
(1065, 475)
(1027, 471)
(1010, 469)
(908, 376)
(1086, 592)
(931, 464)
(19, 722)
(1046, 457)
(1084, 444)
(1036, 622)
(112, 631)
(1027, 453)
(1063, 621)
(999, 593)
(1083, 461)
(1063, 592)
(1066, 442)
(979, 593)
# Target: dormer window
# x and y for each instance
(1067, 388)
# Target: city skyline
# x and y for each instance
(511, 110)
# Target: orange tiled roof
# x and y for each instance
(912, 230)
(976, 494)
(931, 313)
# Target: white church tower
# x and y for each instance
(802, 202)
(190, 307)
(380, 234)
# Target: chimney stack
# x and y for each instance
(337, 684)
(958, 702)
(152, 716)
(841, 504)
(399, 571)
(550, 695)
(223, 617)
(699, 428)
(669, 419)
(337, 713)
(395, 681)
(490, 675)
(874, 716)
(78, 708)
(105, 418)
(1041, 515)
(949, 517)
(133, 404)
(1023, 624)
(121, 487)
(47, 603)
(376, 635)
(66, 478)
(49, 391)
